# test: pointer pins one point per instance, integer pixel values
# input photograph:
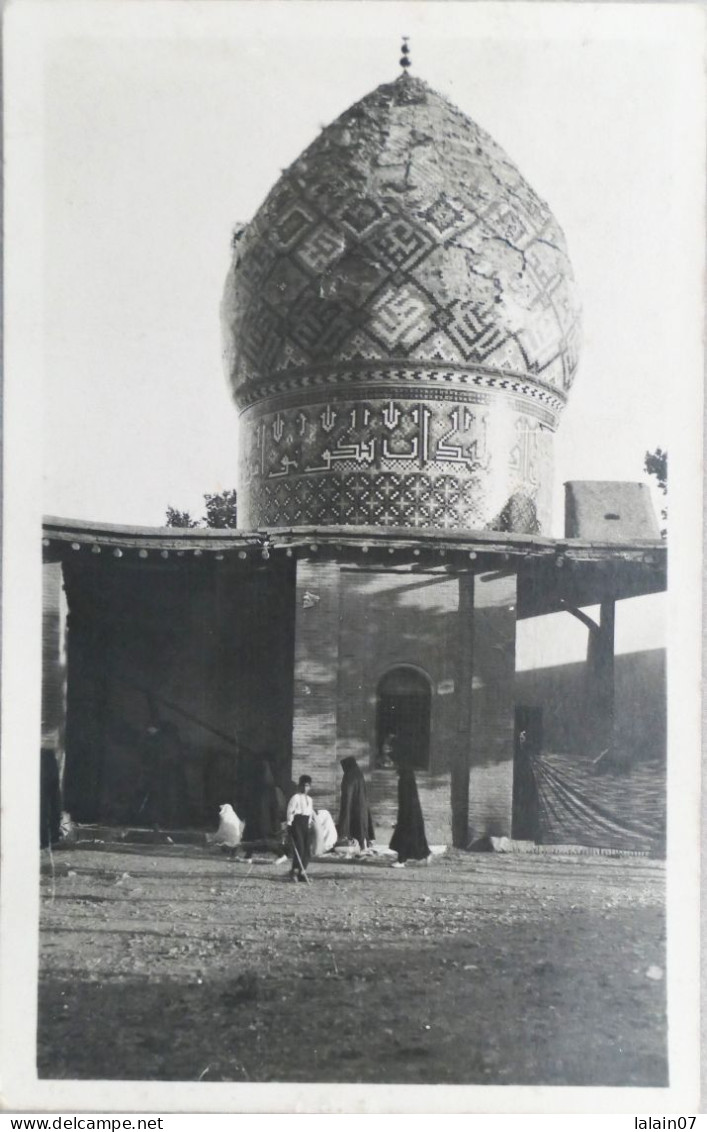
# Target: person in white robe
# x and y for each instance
(323, 833)
(230, 828)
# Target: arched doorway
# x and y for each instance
(404, 711)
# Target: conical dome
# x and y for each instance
(401, 327)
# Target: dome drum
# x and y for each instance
(399, 458)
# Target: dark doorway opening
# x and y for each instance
(404, 712)
(528, 744)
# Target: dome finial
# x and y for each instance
(404, 57)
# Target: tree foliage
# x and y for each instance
(177, 518)
(221, 509)
(221, 512)
(656, 464)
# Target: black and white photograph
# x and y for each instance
(351, 556)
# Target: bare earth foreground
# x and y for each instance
(174, 963)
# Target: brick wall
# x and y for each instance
(492, 706)
(354, 625)
(388, 619)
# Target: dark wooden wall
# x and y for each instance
(204, 648)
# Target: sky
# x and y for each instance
(163, 129)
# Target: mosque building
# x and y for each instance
(402, 331)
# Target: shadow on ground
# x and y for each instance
(493, 971)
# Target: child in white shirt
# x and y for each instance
(300, 816)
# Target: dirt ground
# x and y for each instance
(175, 963)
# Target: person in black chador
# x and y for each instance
(49, 799)
(355, 819)
(408, 840)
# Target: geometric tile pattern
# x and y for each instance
(398, 461)
(390, 499)
(402, 241)
(433, 381)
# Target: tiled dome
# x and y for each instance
(401, 256)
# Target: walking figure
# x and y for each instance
(355, 819)
(408, 840)
(300, 816)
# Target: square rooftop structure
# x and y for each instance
(609, 511)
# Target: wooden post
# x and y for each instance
(493, 705)
(600, 694)
(460, 760)
(600, 664)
